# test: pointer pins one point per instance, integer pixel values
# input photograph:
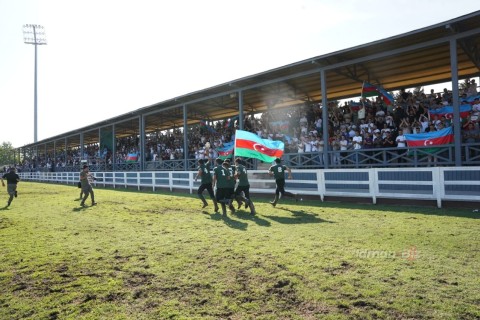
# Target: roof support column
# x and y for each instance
(456, 105)
(326, 148)
(100, 148)
(65, 153)
(185, 139)
(240, 109)
(141, 124)
(54, 163)
(82, 149)
(114, 149)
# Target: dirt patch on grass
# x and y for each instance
(5, 223)
(343, 267)
(137, 279)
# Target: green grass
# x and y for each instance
(159, 256)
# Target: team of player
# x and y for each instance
(231, 183)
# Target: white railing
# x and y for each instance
(434, 184)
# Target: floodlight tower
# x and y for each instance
(34, 34)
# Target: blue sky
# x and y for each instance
(105, 58)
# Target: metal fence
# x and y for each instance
(435, 184)
(364, 158)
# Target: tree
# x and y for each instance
(6, 154)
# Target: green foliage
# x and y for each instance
(159, 256)
(6, 154)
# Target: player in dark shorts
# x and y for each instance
(86, 180)
(242, 192)
(204, 173)
(278, 172)
(12, 180)
(221, 177)
(231, 183)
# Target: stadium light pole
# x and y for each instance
(34, 34)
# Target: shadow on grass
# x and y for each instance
(298, 216)
(229, 221)
(4, 208)
(79, 209)
(244, 215)
(399, 205)
(405, 207)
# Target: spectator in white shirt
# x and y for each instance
(401, 143)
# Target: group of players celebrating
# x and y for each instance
(224, 180)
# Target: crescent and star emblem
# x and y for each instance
(427, 143)
(263, 149)
(258, 147)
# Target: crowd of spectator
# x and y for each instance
(355, 125)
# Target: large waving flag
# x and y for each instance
(447, 111)
(250, 145)
(369, 90)
(226, 151)
(428, 139)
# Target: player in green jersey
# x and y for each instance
(242, 192)
(231, 183)
(278, 172)
(221, 178)
(205, 176)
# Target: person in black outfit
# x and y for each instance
(12, 180)
(388, 142)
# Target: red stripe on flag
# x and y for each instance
(252, 145)
(369, 89)
(225, 153)
(431, 142)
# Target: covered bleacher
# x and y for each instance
(138, 140)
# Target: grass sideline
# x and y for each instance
(140, 255)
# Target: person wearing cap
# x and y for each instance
(86, 178)
(12, 180)
(278, 172)
(205, 175)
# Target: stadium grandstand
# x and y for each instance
(350, 109)
(287, 104)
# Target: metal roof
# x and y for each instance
(417, 58)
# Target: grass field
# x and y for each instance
(159, 256)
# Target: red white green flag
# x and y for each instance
(250, 145)
(369, 90)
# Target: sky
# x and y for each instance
(105, 58)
